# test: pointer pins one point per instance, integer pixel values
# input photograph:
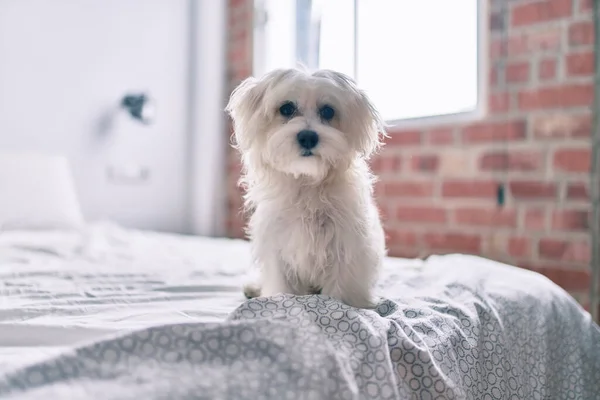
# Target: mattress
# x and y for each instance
(113, 313)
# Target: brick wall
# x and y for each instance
(239, 57)
(438, 185)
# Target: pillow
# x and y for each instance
(37, 192)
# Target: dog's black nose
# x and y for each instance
(307, 139)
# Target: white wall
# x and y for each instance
(208, 144)
(64, 64)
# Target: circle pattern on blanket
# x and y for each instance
(284, 346)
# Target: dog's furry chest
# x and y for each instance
(306, 238)
(306, 242)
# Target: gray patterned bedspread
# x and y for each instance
(457, 327)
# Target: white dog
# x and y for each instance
(305, 139)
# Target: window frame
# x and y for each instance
(481, 109)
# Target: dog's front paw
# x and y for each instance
(252, 290)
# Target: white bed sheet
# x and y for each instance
(61, 288)
(58, 288)
(121, 314)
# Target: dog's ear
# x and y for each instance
(244, 98)
(243, 104)
(374, 126)
(363, 112)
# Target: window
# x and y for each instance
(417, 60)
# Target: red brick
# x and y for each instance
(456, 162)
(236, 228)
(563, 250)
(386, 163)
(379, 190)
(535, 219)
(515, 45)
(572, 160)
(517, 72)
(469, 189)
(519, 247)
(238, 36)
(241, 71)
(459, 242)
(540, 11)
(240, 19)
(570, 220)
(585, 6)
(568, 279)
(493, 132)
(580, 64)
(566, 95)
(375, 163)
(237, 3)
(492, 217)
(547, 68)
(545, 40)
(403, 252)
(528, 42)
(577, 191)
(399, 237)
(499, 102)
(581, 33)
(238, 27)
(498, 49)
(532, 190)
(425, 163)
(238, 53)
(562, 125)
(423, 214)
(511, 161)
(408, 189)
(440, 136)
(493, 78)
(403, 138)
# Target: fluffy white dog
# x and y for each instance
(305, 139)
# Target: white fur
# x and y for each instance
(314, 225)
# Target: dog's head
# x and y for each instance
(303, 124)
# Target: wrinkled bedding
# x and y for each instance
(111, 313)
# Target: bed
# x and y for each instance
(113, 313)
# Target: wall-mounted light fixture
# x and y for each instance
(140, 106)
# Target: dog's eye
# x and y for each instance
(288, 109)
(327, 113)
